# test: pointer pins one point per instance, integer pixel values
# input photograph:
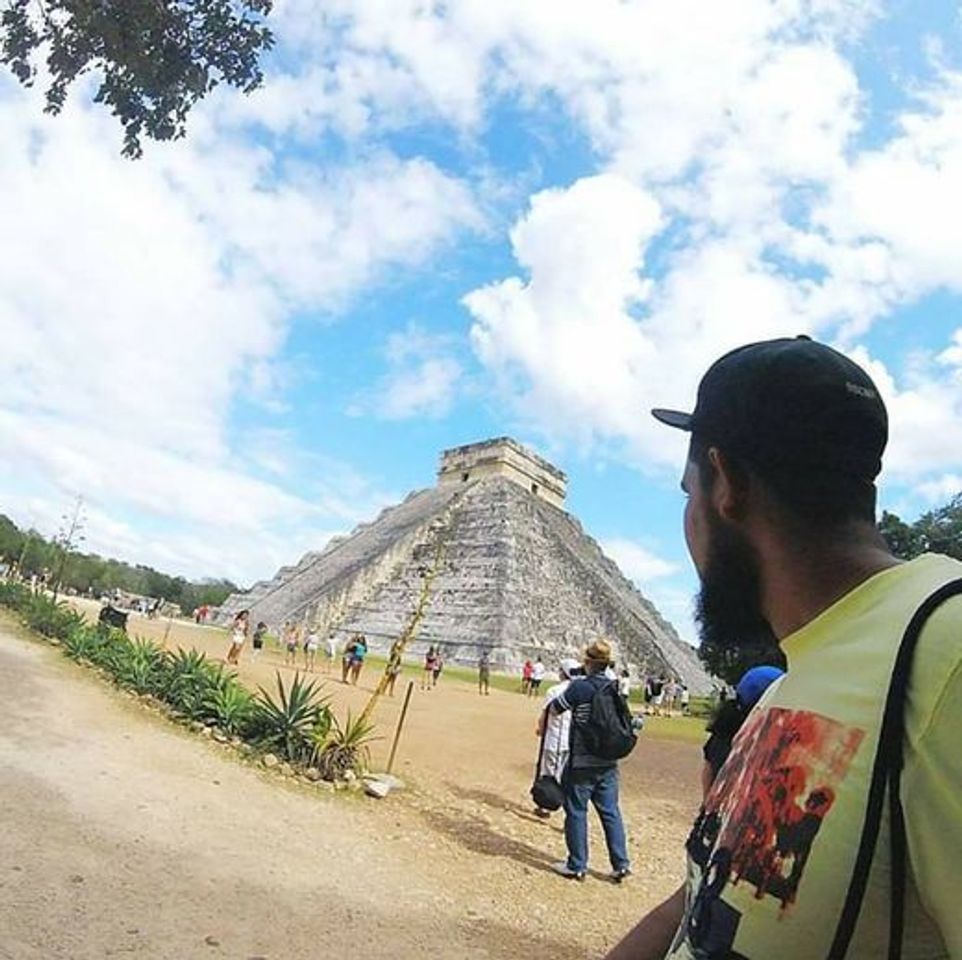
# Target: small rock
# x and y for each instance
(270, 760)
(376, 788)
(219, 736)
(207, 732)
(236, 742)
(350, 775)
(211, 941)
(325, 785)
(286, 769)
(393, 783)
(197, 726)
(313, 774)
(76, 878)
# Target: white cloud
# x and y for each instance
(637, 562)
(140, 302)
(423, 380)
(572, 320)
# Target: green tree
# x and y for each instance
(941, 530)
(11, 539)
(154, 58)
(730, 663)
(902, 538)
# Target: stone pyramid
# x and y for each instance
(511, 572)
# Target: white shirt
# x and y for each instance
(557, 734)
(538, 671)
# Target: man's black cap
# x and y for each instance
(790, 405)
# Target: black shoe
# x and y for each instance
(617, 876)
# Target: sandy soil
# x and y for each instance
(125, 834)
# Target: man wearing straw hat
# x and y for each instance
(589, 778)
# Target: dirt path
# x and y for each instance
(124, 834)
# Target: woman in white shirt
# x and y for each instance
(556, 729)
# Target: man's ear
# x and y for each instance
(729, 491)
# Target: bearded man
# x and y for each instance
(834, 829)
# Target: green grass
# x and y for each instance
(687, 729)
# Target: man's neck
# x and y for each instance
(800, 581)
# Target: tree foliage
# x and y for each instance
(731, 663)
(154, 59)
(938, 531)
(90, 573)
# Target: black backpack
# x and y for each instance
(608, 733)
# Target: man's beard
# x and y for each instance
(728, 608)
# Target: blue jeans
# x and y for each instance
(600, 787)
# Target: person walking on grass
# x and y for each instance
(427, 674)
(537, 675)
(238, 635)
(347, 658)
(290, 638)
(591, 777)
(484, 674)
(357, 657)
(833, 828)
(393, 672)
(257, 639)
(526, 672)
(311, 645)
(331, 653)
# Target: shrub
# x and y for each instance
(84, 643)
(39, 612)
(189, 681)
(139, 665)
(344, 748)
(231, 707)
(285, 724)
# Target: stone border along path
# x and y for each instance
(456, 866)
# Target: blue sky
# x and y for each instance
(440, 223)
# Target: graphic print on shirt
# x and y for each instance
(763, 815)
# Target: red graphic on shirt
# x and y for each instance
(771, 796)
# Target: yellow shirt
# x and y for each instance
(772, 851)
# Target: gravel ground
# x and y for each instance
(125, 834)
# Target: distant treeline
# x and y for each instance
(89, 573)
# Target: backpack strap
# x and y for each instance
(887, 773)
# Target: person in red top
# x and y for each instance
(526, 671)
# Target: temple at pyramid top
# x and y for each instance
(504, 457)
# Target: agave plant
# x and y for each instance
(285, 724)
(345, 747)
(189, 681)
(230, 706)
(139, 664)
(83, 643)
(54, 620)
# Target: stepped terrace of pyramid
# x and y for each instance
(510, 571)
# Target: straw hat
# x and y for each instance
(598, 651)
